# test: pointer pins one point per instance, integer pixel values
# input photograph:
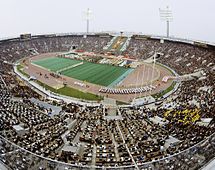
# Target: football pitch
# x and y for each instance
(101, 74)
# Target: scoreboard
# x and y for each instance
(200, 44)
(25, 36)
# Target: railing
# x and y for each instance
(15, 157)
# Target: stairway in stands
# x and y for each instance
(117, 45)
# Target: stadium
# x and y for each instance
(106, 101)
(98, 75)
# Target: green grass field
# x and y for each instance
(102, 74)
(55, 63)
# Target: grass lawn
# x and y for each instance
(20, 69)
(171, 87)
(55, 63)
(68, 91)
(102, 74)
(71, 92)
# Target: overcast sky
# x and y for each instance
(193, 19)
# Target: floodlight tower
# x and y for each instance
(166, 15)
(88, 15)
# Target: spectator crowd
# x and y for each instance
(173, 137)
